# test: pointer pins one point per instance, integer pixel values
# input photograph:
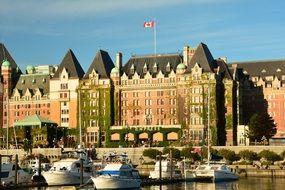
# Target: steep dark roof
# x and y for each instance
(4, 54)
(203, 58)
(263, 68)
(102, 64)
(161, 61)
(223, 69)
(33, 82)
(71, 64)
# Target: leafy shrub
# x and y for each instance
(269, 155)
(227, 154)
(151, 153)
(248, 155)
(266, 163)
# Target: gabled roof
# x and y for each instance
(263, 68)
(71, 64)
(102, 64)
(34, 120)
(16, 71)
(224, 70)
(149, 62)
(33, 82)
(203, 58)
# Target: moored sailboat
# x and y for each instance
(214, 171)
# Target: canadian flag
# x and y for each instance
(149, 24)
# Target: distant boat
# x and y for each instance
(215, 172)
(118, 173)
(67, 170)
(165, 170)
(8, 171)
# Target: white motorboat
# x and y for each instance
(8, 171)
(165, 170)
(67, 171)
(118, 173)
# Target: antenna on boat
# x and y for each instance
(79, 118)
(7, 121)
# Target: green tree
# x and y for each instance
(261, 125)
(151, 153)
(248, 155)
(227, 154)
(269, 155)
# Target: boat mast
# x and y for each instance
(208, 129)
(79, 118)
(7, 121)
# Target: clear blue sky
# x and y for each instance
(40, 32)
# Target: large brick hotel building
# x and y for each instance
(151, 99)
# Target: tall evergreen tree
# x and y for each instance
(261, 126)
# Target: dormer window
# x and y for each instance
(23, 81)
(263, 71)
(168, 67)
(132, 69)
(34, 80)
(144, 68)
(155, 67)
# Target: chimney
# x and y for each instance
(185, 54)
(118, 60)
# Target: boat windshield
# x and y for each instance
(117, 173)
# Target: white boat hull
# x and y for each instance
(215, 175)
(65, 178)
(164, 175)
(115, 182)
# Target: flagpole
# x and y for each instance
(154, 37)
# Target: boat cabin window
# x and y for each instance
(87, 169)
(77, 165)
(4, 174)
(63, 168)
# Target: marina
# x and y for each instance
(264, 183)
(259, 176)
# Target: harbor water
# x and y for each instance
(241, 184)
